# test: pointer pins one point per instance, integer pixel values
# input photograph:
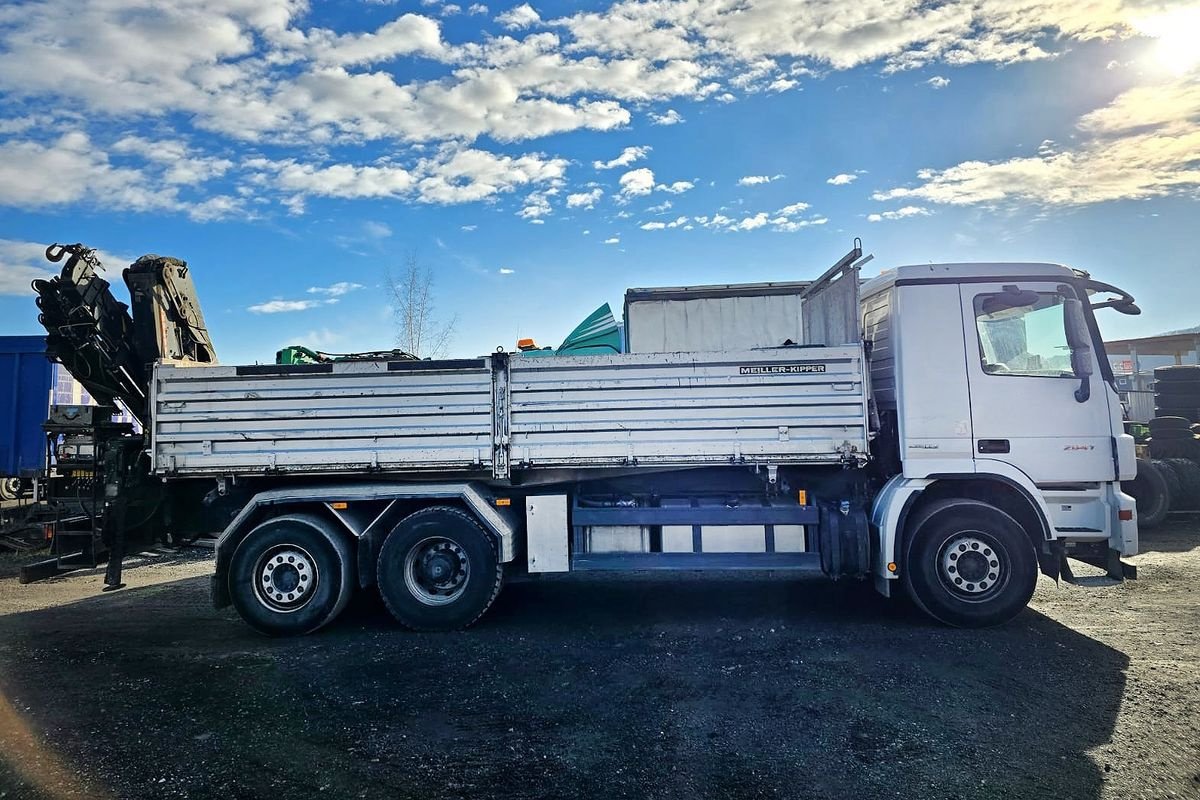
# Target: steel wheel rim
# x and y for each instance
(436, 570)
(972, 567)
(285, 578)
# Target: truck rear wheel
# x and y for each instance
(291, 575)
(10, 488)
(438, 570)
(969, 564)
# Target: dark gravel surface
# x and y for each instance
(638, 687)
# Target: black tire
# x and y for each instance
(1174, 486)
(1150, 491)
(1173, 434)
(1178, 392)
(1186, 447)
(1190, 413)
(10, 488)
(438, 570)
(947, 533)
(1188, 472)
(299, 545)
(1169, 424)
(1179, 372)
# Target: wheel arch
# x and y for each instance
(903, 497)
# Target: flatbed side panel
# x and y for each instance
(777, 405)
(355, 416)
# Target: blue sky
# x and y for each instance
(542, 158)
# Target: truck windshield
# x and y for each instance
(1028, 340)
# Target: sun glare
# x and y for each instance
(1178, 33)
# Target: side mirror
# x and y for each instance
(1079, 337)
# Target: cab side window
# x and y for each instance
(1024, 340)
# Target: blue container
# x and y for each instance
(26, 377)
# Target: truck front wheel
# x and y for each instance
(438, 570)
(969, 564)
(10, 488)
(291, 575)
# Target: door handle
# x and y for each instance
(994, 446)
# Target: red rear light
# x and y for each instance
(48, 530)
(1125, 515)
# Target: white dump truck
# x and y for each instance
(942, 430)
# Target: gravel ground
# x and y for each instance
(626, 686)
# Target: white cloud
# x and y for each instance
(841, 179)
(791, 226)
(335, 290)
(450, 9)
(20, 264)
(468, 228)
(678, 222)
(678, 187)
(17, 125)
(376, 230)
(784, 220)
(938, 82)
(584, 199)
(900, 213)
(506, 271)
(668, 117)
(408, 34)
(284, 306)
(518, 17)
(627, 157)
(757, 180)
(238, 75)
(536, 206)
(71, 169)
(612, 240)
(637, 182)
(453, 176)
(1142, 144)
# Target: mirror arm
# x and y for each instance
(1084, 392)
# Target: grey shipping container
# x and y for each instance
(729, 316)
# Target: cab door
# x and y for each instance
(1027, 407)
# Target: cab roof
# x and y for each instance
(951, 273)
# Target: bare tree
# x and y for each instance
(418, 329)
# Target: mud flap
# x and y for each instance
(1110, 561)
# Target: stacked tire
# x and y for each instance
(1173, 437)
(1177, 392)
(1163, 486)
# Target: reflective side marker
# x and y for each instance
(892, 566)
(504, 501)
(339, 506)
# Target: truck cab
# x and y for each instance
(991, 383)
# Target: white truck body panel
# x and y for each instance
(776, 406)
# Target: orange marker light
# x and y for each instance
(802, 496)
(339, 506)
(892, 566)
(504, 501)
